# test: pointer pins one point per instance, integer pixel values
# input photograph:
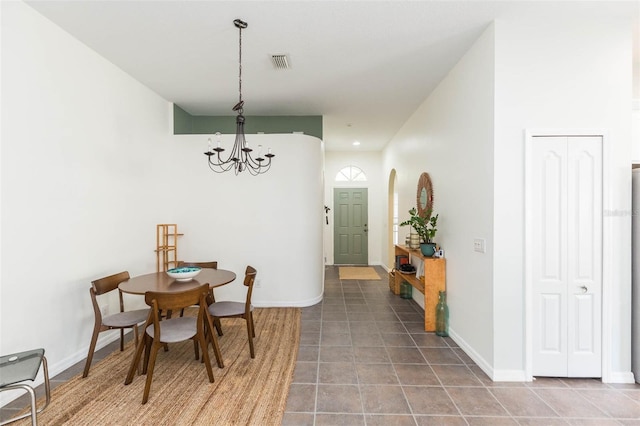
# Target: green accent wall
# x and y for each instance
(187, 124)
(182, 121)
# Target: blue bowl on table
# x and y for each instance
(184, 273)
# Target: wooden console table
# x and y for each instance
(430, 284)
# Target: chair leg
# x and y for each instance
(253, 326)
(34, 415)
(152, 362)
(32, 401)
(135, 339)
(92, 348)
(250, 334)
(205, 356)
(168, 316)
(47, 384)
(147, 351)
(196, 349)
(216, 323)
(211, 337)
(121, 339)
(136, 360)
(216, 350)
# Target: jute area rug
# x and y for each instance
(245, 392)
(358, 273)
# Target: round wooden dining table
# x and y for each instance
(161, 282)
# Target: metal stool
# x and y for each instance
(20, 367)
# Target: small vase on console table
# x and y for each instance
(428, 249)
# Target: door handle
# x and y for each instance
(365, 228)
(584, 288)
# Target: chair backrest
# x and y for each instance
(105, 285)
(176, 300)
(211, 265)
(249, 278)
(110, 283)
(163, 302)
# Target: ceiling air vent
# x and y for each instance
(280, 62)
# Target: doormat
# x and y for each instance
(358, 273)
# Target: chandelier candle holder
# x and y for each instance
(240, 158)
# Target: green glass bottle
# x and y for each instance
(405, 290)
(442, 315)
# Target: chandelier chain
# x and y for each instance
(240, 66)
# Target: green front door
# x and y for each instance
(350, 232)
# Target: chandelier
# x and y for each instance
(241, 157)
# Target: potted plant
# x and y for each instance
(425, 227)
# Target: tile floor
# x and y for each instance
(364, 359)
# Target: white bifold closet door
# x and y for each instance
(567, 256)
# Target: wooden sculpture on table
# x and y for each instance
(166, 246)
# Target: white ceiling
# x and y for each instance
(363, 65)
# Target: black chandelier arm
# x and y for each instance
(236, 153)
(246, 162)
(220, 167)
(260, 170)
(258, 162)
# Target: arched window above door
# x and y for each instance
(351, 174)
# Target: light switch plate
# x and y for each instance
(479, 245)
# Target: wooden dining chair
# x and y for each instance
(159, 332)
(211, 265)
(244, 310)
(120, 320)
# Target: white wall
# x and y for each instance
(84, 149)
(635, 132)
(635, 127)
(469, 136)
(89, 167)
(369, 162)
(562, 74)
(450, 137)
(273, 222)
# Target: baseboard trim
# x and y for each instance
(621, 377)
(494, 375)
(283, 304)
(509, 376)
(475, 356)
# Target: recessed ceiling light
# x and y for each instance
(356, 143)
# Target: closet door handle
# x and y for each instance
(584, 288)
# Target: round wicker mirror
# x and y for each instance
(424, 199)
